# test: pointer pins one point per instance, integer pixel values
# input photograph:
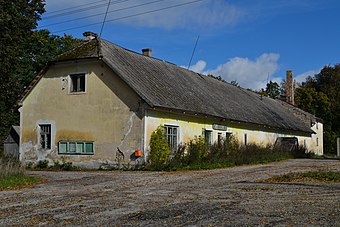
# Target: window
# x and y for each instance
(219, 138)
(245, 139)
(75, 147)
(45, 136)
(317, 141)
(228, 135)
(208, 136)
(77, 83)
(171, 133)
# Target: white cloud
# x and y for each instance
(302, 77)
(198, 67)
(204, 14)
(248, 73)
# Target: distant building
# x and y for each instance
(99, 103)
(11, 143)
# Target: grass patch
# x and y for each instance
(323, 176)
(17, 181)
(202, 166)
(13, 175)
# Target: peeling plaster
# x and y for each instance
(129, 128)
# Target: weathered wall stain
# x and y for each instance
(73, 135)
(106, 113)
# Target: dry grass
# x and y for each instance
(10, 166)
(13, 176)
(323, 176)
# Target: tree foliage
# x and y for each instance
(17, 20)
(159, 149)
(23, 52)
(314, 102)
(273, 89)
(320, 95)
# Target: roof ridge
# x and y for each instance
(135, 52)
(150, 57)
(72, 49)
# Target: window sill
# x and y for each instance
(77, 93)
(76, 154)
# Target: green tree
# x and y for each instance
(23, 52)
(42, 47)
(159, 149)
(235, 83)
(312, 97)
(273, 89)
(17, 21)
(314, 102)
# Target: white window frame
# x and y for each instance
(45, 136)
(77, 144)
(173, 147)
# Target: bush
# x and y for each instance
(42, 164)
(159, 150)
(63, 165)
(197, 151)
(253, 153)
(197, 154)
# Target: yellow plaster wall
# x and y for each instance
(191, 126)
(108, 113)
(316, 142)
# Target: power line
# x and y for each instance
(83, 9)
(107, 9)
(193, 52)
(78, 6)
(133, 15)
(99, 14)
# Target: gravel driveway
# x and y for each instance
(223, 197)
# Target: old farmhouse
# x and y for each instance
(99, 103)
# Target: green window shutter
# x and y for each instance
(72, 147)
(80, 147)
(89, 147)
(75, 147)
(62, 147)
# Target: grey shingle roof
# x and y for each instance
(165, 85)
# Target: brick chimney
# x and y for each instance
(290, 87)
(89, 35)
(147, 52)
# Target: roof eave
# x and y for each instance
(188, 112)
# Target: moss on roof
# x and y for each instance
(87, 49)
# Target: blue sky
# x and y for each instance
(249, 41)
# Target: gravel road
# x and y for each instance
(222, 197)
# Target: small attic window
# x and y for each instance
(77, 82)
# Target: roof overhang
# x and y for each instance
(223, 119)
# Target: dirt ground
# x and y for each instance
(223, 197)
